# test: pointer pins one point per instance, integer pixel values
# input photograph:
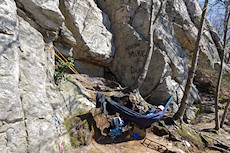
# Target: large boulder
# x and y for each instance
(185, 17)
(46, 13)
(129, 26)
(86, 21)
(82, 128)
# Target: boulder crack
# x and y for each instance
(24, 118)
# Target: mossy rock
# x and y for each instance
(159, 128)
(83, 128)
(79, 132)
(191, 135)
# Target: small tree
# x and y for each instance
(141, 77)
(226, 22)
(181, 110)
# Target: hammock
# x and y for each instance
(138, 118)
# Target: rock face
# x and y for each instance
(168, 66)
(86, 21)
(12, 126)
(37, 111)
(45, 13)
(29, 98)
(184, 16)
(108, 33)
(175, 32)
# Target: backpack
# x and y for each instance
(116, 123)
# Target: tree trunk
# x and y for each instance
(226, 21)
(225, 114)
(180, 112)
(141, 77)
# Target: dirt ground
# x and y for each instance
(205, 121)
(159, 145)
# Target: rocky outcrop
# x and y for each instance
(46, 14)
(84, 33)
(12, 127)
(130, 22)
(110, 34)
(29, 98)
(185, 17)
(86, 21)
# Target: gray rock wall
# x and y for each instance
(38, 113)
(185, 16)
(130, 22)
(28, 96)
(12, 125)
(111, 33)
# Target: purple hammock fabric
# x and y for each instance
(130, 115)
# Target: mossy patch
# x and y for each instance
(158, 129)
(201, 108)
(83, 128)
(78, 129)
(191, 135)
(208, 139)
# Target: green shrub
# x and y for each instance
(61, 69)
(223, 99)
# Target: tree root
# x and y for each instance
(220, 146)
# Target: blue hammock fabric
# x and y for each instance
(138, 118)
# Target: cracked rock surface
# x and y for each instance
(98, 34)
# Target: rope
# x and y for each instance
(59, 133)
(57, 123)
(66, 62)
(169, 101)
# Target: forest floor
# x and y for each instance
(204, 123)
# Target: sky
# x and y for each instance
(215, 15)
